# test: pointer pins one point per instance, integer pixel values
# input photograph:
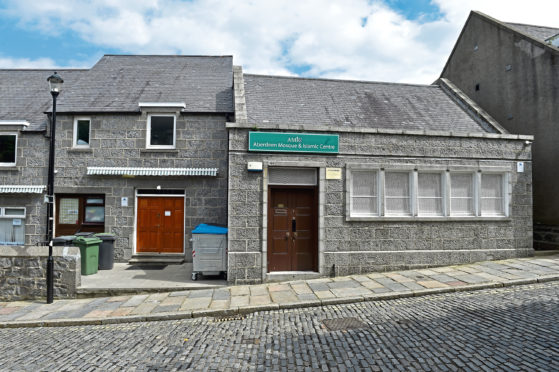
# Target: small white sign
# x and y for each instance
(167, 213)
(333, 173)
(520, 167)
(124, 201)
(254, 166)
(16, 222)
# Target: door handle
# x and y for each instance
(287, 235)
(294, 235)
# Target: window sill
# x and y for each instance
(166, 151)
(9, 168)
(428, 219)
(81, 149)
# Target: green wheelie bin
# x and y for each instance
(89, 250)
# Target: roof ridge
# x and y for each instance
(342, 80)
(531, 25)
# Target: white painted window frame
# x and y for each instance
(15, 157)
(3, 216)
(414, 184)
(75, 140)
(148, 136)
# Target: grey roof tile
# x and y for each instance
(538, 32)
(24, 94)
(117, 83)
(320, 102)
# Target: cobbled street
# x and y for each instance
(510, 329)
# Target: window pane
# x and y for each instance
(69, 211)
(397, 184)
(94, 214)
(461, 185)
(365, 206)
(12, 231)
(94, 201)
(162, 131)
(461, 206)
(364, 183)
(7, 148)
(429, 184)
(430, 206)
(82, 135)
(14, 211)
(397, 193)
(492, 195)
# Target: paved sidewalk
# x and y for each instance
(235, 300)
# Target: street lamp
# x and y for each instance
(55, 85)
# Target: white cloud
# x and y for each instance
(13, 63)
(328, 38)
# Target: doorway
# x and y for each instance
(292, 228)
(160, 225)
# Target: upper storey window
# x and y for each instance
(82, 130)
(161, 131)
(8, 149)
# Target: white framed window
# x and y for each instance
(430, 194)
(397, 193)
(12, 226)
(161, 131)
(492, 195)
(364, 200)
(82, 131)
(462, 194)
(8, 149)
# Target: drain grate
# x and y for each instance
(343, 324)
(147, 267)
(228, 318)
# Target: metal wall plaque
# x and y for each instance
(293, 142)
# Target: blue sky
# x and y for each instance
(382, 40)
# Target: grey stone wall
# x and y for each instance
(31, 169)
(518, 84)
(119, 141)
(23, 272)
(352, 247)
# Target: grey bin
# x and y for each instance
(106, 251)
(64, 241)
(209, 250)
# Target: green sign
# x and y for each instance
(293, 142)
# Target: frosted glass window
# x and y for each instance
(492, 199)
(12, 226)
(364, 193)
(397, 193)
(462, 194)
(69, 211)
(429, 194)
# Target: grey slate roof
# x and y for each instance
(538, 32)
(117, 83)
(24, 94)
(301, 101)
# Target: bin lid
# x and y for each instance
(209, 229)
(85, 233)
(64, 238)
(105, 236)
(84, 240)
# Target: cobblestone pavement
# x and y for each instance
(504, 329)
(308, 293)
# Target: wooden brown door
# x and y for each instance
(160, 225)
(292, 229)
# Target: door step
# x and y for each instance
(284, 276)
(156, 258)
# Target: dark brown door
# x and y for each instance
(292, 229)
(160, 225)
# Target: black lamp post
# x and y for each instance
(55, 84)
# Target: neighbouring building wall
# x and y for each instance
(355, 246)
(118, 140)
(30, 169)
(516, 80)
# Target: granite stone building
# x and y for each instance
(330, 177)
(140, 152)
(312, 177)
(512, 71)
